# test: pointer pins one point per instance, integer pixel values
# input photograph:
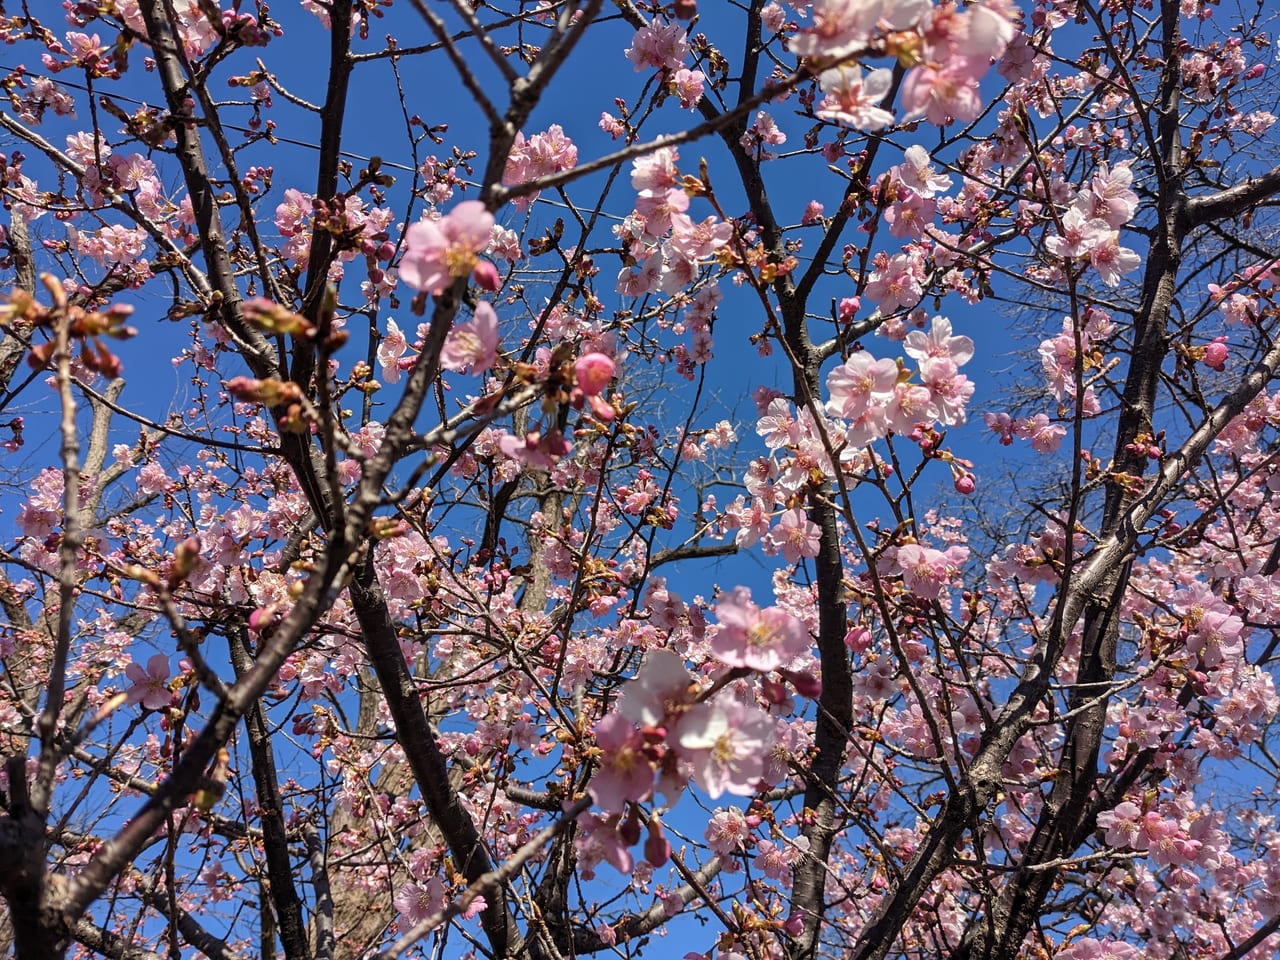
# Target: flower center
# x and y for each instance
(460, 260)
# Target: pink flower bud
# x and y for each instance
(185, 557)
(773, 691)
(602, 410)
(486, 276)
(594, 371)
(474, 908)
(858, 639)
(965, 483)
(657, 850)
(806, 684)
(264, 619)
(1215, 355)
(629, 829)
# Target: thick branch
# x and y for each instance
(999, 934)
(331, 120)
(213, 241)
(984, 779)
(284, 895)
(430, 768)
(1234, 201)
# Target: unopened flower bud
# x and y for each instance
(629, 829)
(593, 371)
(185, 557)
(806, 684)
(657, 850)
(858, 639)
(1215, 355)
(486, 276)
(773, 691)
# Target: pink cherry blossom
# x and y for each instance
(949, 390)
(859, 382)
(854, 99)
(688, 85)
(795, 536)
(600, 839)
(917, 174)
(924, 570)
(658, 45)
(593, 372)
(938, 342)
(541, 155)
(390, 349)
(536, 449)
(1111, 260)
(841, 27)
(655, 172)
(1078, 236)
(1110, 197)
(942, 94)
(415, 902)
(150, 686)
(910, 404)
(727, 830)
(762, 131)
(723, 742)
(437, 252)
(472, 345)
(909, 217)
(1045, 436)
(625, 773)
(660, 689)
(755, 638)
(750, 520)
(895, 281)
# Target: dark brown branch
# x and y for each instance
(323, 912)
(284, 895)
(691, 551)
(1233, 201)
(259, 354)
(1001, 931)
(14, 345)
(193, 932)
(430, 768)
(110, 944)
(331, 121)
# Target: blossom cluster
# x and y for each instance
(952, 48)
(667, 724)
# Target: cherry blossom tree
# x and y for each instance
(564, 533)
